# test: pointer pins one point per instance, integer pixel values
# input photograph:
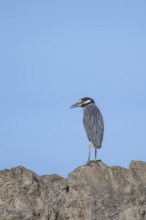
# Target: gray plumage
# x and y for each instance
(93, 123)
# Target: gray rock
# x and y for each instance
(91, 192)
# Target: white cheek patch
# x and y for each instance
(88, 101)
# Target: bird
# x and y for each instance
(93, 123)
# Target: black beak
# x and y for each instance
(75, 105)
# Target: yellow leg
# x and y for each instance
(90, 147)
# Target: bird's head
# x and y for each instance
(83, 102)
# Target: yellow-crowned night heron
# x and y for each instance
(93, 123)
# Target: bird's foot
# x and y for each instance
(88, 162)
(96, 161)
(93, 161)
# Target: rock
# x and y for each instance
(91, 192)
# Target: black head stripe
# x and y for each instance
(86, 101)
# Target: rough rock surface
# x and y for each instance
(91, 192)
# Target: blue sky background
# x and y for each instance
(52, 53)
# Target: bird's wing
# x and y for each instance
(94, 126)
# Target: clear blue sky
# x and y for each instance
(52, 53)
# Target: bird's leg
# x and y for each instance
(95, 154)
(90, 146)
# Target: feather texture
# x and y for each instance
(93, 124)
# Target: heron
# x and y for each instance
(93, 123)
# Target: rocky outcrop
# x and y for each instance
(91, 192)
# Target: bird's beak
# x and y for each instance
(76, 105)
